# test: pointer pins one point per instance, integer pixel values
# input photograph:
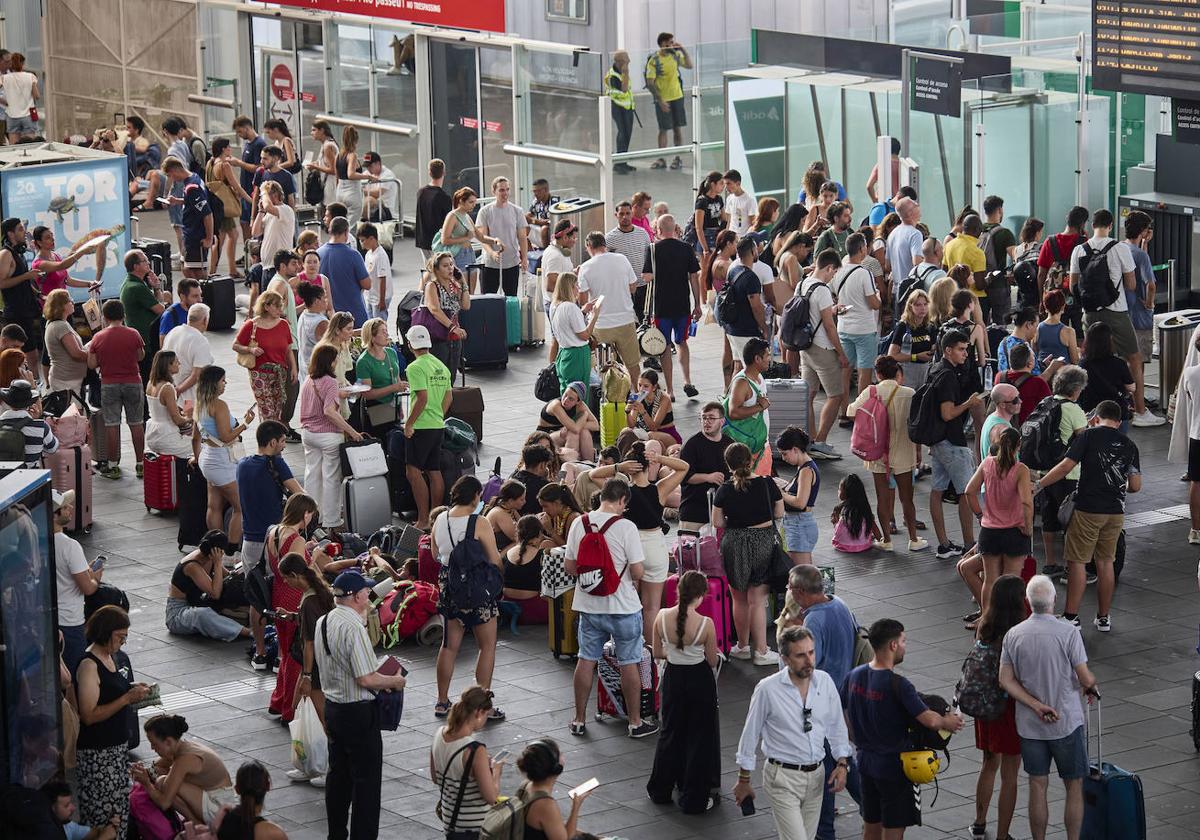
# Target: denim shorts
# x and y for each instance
(1069, 754)
(22, 126)
(465, 259)
(800, 531)
(861, 349)
(115, 396)
(951, 465)
(625, 631)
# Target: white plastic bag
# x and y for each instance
(310, 748)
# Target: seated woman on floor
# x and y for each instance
(187, 777)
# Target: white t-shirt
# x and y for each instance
(625, 546)
(821, 299)
(567, 321)
(379, 269)
(1120, 260)
(765, 279)
(191, 348)
(554, 261)
(740, 208)
(903, 247)
(853, 284)
(503, 223)
(18, 90)
(610, 275)
(69, 560)
(1191, 389)
(279, 233)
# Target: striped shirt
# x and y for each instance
(348, 656)
(448, 763)
(632, 245)
(39, 439)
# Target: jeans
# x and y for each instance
(825, 830)
(185, 620)
(323, 472)
(355, 774)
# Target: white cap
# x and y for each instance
(418, 338)
(61, 500)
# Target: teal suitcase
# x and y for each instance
(512, 317)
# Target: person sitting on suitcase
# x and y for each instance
(23, 414)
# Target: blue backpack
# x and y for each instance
(472, 581)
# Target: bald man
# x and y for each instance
(1006, 400)
(904, 243)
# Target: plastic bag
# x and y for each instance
(310, 748)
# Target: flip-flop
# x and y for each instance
(441, 709)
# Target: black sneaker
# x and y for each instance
(949, 497)
(292, 436)
(947, 550)
(260, 663)
(691, 390)
(845, 423)
(1053, 570)
(643, 730)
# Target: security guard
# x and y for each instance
(617, 87)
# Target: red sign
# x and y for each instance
(488, 125)
(282, 83)
(485, 15)
(308, 97)
(469, 122)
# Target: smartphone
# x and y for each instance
(748, 806)
(98, 562)
(500, 756)
(562, 475)
(270, 614)
(587, 787)
(162, 200)
(599, 300)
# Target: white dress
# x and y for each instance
(162, 435)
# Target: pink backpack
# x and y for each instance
(869, 439)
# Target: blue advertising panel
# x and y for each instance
(78, 200)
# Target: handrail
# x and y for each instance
(215, 101)
(665, 151)
(550, 153)
(1005, 45)
(367, 125)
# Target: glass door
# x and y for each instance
(454, 86)
(288, 75)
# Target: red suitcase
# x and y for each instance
(71, 469)
(427, 564)
(717, 605)
(610, 702)
(159, 487)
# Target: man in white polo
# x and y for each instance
(609, 275)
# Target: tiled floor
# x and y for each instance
(1145, 665)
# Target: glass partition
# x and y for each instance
(757, 144)
(919, 23)
(559, 111)
(496, 117)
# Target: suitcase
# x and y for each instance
(427, 564)
(512, 321)
(160, 487)
(218, 294)
(367, 504)
(71, 469)
(533, 321)
(454, 465)
(562, 627)
(158, 251)
(789, 405)
(466, 403)
(99, 441)
(609, 700)
(193, 506)
(717, 605)
(1114, 806)
(612, 422)
(486, 344)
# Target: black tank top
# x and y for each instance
(180, 580)
(550, 423)
(644, 510)
(114, 731)
(21, 300)
(526, 576)
(233, 827)
(341, 164)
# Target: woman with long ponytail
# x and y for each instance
(246, 822)
(688, 755)
(316, 601)
(1007, 523)
(714, 268)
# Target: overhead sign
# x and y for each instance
(484, 15)
(936, 87)
(1148, 46)
(280, 88)
(1187, 120)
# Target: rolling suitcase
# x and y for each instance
(562, 626)
(609, 700)
(466, 403)
(158, 251)
(486, 344)
(454, 465)
(193, 506)
(160, 487)
(99, 439)
(612, 421)
(512, 321)
(1114, 806)
(218, 294)
(533, 321)
(718, 603)
(71, 469)
(367, 504)
(789, 405)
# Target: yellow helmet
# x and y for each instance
(920, 766)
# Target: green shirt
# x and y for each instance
(139, 302)
(427, 373)
(985, 437)
(381, 372)
(1072, 418)
(831, 238)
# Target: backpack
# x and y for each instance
(914, 280)
(978, 691)
(458, 436)
(404, 312)
(506, 819)
(925, 423)
(1041, 445)
(863, 652)
(1025, 276)
(1096, 289)
(796, 330)
(314, 187)
(1058, 276)
(547, 386)
(871, 435)
(200, 154)
(12, 440)
(728, 304)
(405, 610)
(921, 737)
(595, 571)
(472, 581)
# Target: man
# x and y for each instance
(905, 244)
(350, 678)
(665, 83)
(838, 231)
(1043, 667)
(179, 149)
(923, 274)
(63, 808)
(196, 220)
(704, 453)
(379, 271)
(873, 178)
(619, 89)
(857, 326)
(534, 473)
(346, 270)
(506, 222)
(274, 221)
(272, 170)
(284, 282)
(332, 210)
(1139, 230)
(13, 336)
(617, 616)
(743, 286)
(952, 460)
(429, 390)
(75, 580)
(1109, 466)
(1067, 386)
(631, 241)
(880, 707)
(610, 276)
(964, 249)
(381, 199)
(538, 217)
(881, 208)
(793, 713)
(1031, 389)
(252, 146)
(1007, 401)
(433, 205)
(19, 285)
(671, 263)
(739, 204)
(556, 260)
(822, 363)
(144, 300)
(116, 351)
(1056, 251)
(188, 292)
(1000, 247)
(144, 157)
(191, 349)
(747, 403)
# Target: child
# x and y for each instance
(799, 495)
(855, 529)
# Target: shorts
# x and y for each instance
(1093, 536)
(951, 465)
(1145, 343)
(117, 395)
(245, 212)
(217, 465)
(625, 631)
(1193, 462)
(23, 126)
(1006, 542)
(674, 117)
(34, 331)
(464, 260)
(1124, 341)
(737, 345)
(820, 366)
(800, 531)
(1052, 497)
(655, 563)
(1069, 754)
(195, 255)
(675, 329)
(862, 349)
(424, 449)
(896, 803)
(252, 553)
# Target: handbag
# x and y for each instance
(422, 317)
(246, 359)
(363, 459)
(376, 415)
(33, 114)
(780, 566)
(1066, 509)
(651, 341)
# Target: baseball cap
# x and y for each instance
(418, 338)
(63, 499)
(348, 583)
(372, 157)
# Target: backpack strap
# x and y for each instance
(470, 748)
(1054, 252)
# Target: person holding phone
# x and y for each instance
(542, 763)
(458, 759)
(196, 592)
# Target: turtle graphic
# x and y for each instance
(61, 206)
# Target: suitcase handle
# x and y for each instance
(1087, 719)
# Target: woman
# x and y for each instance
(1007, 513)
(688, 754)
(572, 330)
(542, 764)
(747, 506)
(216, 432)
(225, 186)
(1108, 374)
(68, 359)
(709, 215)
(879, 243)
(311, 324)
(818, 209)
(316, 601)
(504, 512)
(349, 174)
(649, 415)
(104, 695)
(268, 338)
(449, 529)
(459, 760)
(940, 293)
(187, 777)
(789, 263)
(1055, 339)
(764, 220)
(338, 335)
(323, 430)
(570, 422)
(312, 266)
(168, 430)
(914, 339)
(326, 162)
(712, 279)
(21, 95)
(800, 529)
(459, 231)
(13, 366)
(523, 561)
(379, 367)
(196, 592)
(246, 822)
(444, 298)
(998, 739)
(55, 266)
(559, 512)
(278, 134)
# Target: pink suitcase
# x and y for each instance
(718, 604)
(71, 469)
(160, 489)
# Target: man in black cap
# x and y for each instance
(383, 197)
(24, 436)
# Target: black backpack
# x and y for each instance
(472, 581)
(796, 330)
(314, 187)
(914, 280)
(404, 312)
(1041, 445)
(1025, 272)
(925, 423)
(729, 300)
(547, 386)
(1096, 289)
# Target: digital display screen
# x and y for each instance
(1147, 46)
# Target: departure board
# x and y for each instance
(1147, 46)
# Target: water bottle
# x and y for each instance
(692, 328)
(906, 344)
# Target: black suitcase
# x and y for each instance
(158, 251)
(486, 344)
(454, 465)
(193, 506)
(218, 294)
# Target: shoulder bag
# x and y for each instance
(651, 340)
(247, 359)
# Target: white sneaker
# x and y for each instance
(317, 781)
(1194, 536)
(919, 544)
(740, 652)
(297, 775)
(770, 657)
(882, 545)
(1147, 418)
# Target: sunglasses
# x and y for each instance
(808, 720)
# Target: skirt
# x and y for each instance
(104, 786)
(573, 364)
(746, 554)
(688, 753)
(469, 618)
(1000, 735)
(268, 381)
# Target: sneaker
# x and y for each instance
(1072, 620)
(1091, 578)
(1053, 570)
(824, 451)
(643, 729)
(845, 423)
(317, 781)
(1103, 623)
(297, 775)
(949, 497)
(691, 390)
(293, 436)
(113, 473)
(140, 469)
(1194, 536)
(882, 545)
(978, 831)
(740, 652)
(1146, 418)
(947, 550)
(260, 663)
(770, 657)
(919, 544)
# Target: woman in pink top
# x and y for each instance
(312, 271)
(323, 430)
(1007, 513)
(47, 260)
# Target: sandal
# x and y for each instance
(578, 728)
(496, 715)
(441, 709)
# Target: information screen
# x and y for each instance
(1147, 46)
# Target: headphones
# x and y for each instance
(557, 769)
